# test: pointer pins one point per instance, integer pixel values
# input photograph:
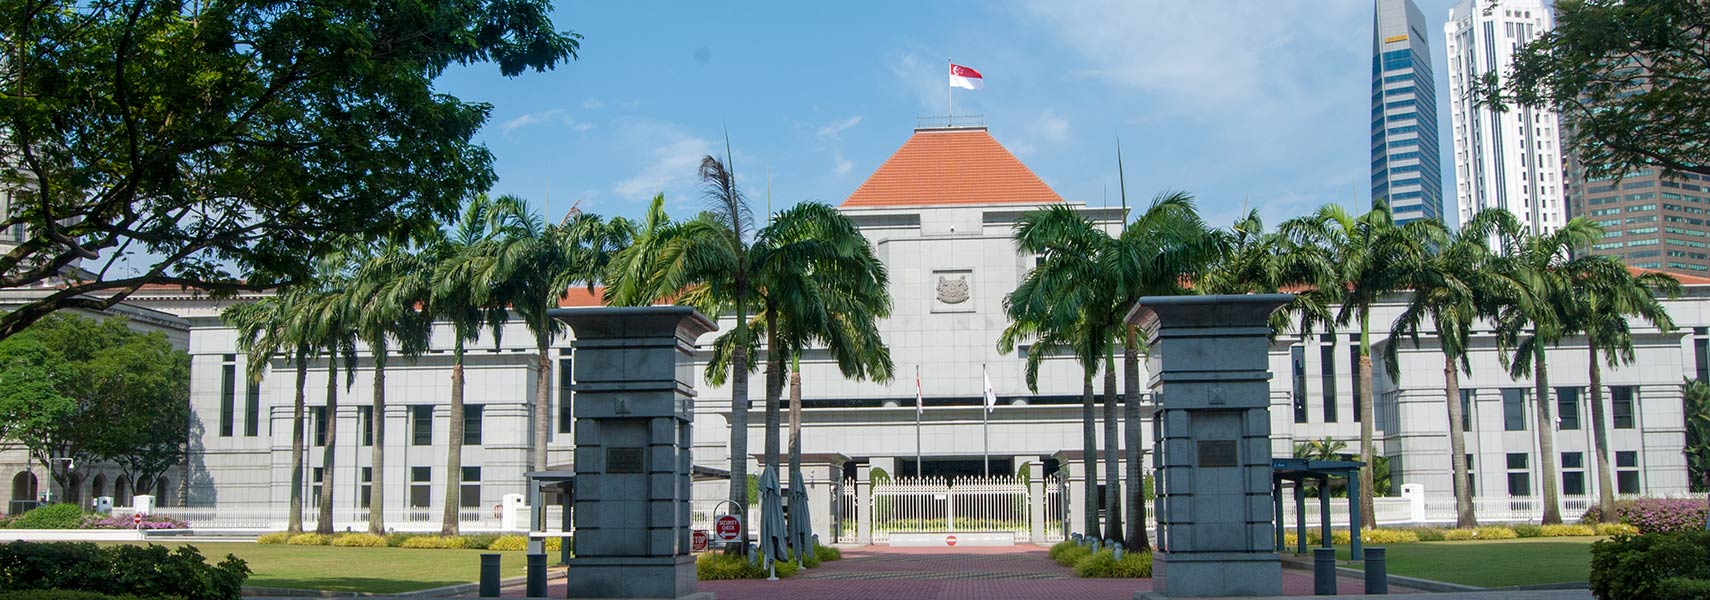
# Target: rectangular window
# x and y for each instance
(320, 424)
(472, 424)
(228, 396)
(421, 425)
(1573, 473)
(252, 409)
(421, 487)
(1701, 353)
(1472, 477)
(1519, 480)
(1514, 409)
(1627, 472)
(367, 485)
(566, 420)
(1621, 400)
(1327, 371)
(365, 414)
(1567, 408)
(1354, 365)
(315, 486)
(1297, 358)
(1466, 408)
(469, 495)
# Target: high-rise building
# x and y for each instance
(1512, 158)
(1406, 170)
(1649, 220)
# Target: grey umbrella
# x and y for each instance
(772, 532)
(801, 523)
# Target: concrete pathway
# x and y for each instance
(885, 573)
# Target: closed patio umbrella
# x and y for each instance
(801, 523)
(772, 529)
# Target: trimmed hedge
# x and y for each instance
(1613, 529)
(52, 516)
(1633, 567)
(72, 595)
(149, 570)
(359, 540)
(449, 542)
(827, 553)
(309, 539)
(1566, 530)
(1104, 564)
(277, 537)
(713, 566)
(509, 543)
(1683, 588)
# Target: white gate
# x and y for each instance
(972, 504)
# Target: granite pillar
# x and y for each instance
(1208, 360)
(634, 409)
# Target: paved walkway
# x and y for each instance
(885, 573)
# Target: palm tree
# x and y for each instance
(326, 320)
(1356, 261)
(1600, 298)
(460, 292)
(703, 263)
(536, 264)
(1542, 260)
(385, 319)
(1452, 289)
(1155, 255)
(263, 330)
(1064, 305)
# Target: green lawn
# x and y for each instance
(378, 570)
(1494, 563)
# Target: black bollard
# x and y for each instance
(489, 576)
(537, 575)
(1324, 571)
(1377, 572)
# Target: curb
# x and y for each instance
(462, 589)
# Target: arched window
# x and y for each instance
(122, 491)
(160, 491)
(23, 492)
(99, 487)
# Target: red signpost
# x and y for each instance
(728, 528)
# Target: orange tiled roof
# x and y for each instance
(1682, 277)
(951, 166)
(580, 296)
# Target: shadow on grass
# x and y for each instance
(351, 584)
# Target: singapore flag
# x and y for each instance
(965, 78)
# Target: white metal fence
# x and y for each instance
(997, 504)
(243, 520)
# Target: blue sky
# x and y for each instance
(1235, 101)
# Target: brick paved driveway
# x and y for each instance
(885, 573)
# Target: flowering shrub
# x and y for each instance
(124, 522)
(1657, 515)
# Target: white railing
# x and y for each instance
(1054, 510)
(933, 505)
(246, 519)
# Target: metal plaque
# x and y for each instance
(1218, 453)
(623, 460)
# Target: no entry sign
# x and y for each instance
(949, 540)
(727, 528)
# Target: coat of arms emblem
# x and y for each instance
(953, 291)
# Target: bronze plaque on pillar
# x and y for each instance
(623, 460)
(1218, 453)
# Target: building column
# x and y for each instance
(864, 504)
(1036, 505)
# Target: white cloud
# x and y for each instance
(582, 127)
(672, 160)
(831, 130)
(1052, 127)
(593, 104)
(843, 165)
(1273, 71)
(556, 115)
(926, 80)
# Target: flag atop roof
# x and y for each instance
(965, 78)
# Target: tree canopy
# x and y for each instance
(230, 143)
(77, 388)
(1629, 75)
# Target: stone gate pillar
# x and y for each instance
(1208, 361)
(634, 409)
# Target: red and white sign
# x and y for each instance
(965, 78)
(698, 541)
(136, 519)
(727, 528)
(949, 540)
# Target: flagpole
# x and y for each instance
(950, 92)
(986, 425)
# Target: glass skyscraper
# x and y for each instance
(1406, 169)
